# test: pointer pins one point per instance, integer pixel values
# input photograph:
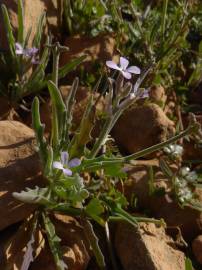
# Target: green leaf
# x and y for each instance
(39, 30)
(188, 264)
(20, 22)
(49, 161)
(94, 209)
(70, 101)
(118, 211)
(37, 81)
(93, 241)
(27, 37)
(165, 168)
(9, 31)
(63, 71)
(115, 170)
(163, 22)
(83, 134)
(59, 114)
(39, 131)
(54, 243)
(37, 195)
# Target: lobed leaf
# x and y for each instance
(54, 243)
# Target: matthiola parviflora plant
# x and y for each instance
(67, 157)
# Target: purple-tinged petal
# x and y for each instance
(124, 63)
(112, 65)
(133, 69)
(35, 61)
(57, 165)
(74, 162)
(126, 75)
(19, 49)
(31, 52)
(64, 158)
(144, 94)
(67, 171)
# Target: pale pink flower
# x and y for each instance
(123, 67)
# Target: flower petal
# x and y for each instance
(144, 94)
(126, 75)
(35, 61)
(64, 158)
(57, 165)
(31, 52)
(67, 171)
(112, 65)
(124, 63)
(19, 49)
(134, 69)
(74, 162)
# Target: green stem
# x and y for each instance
(56, 57)
(103, 135)
(159, 145)
(139, 219)
(96, 164)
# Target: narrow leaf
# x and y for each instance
(59, 114)
(93, 241)
(20, 22)
(9, 31)
(63, 71)
(39, 130)
(188, 264)
(54, 243)
(28, 257)
(39, 30)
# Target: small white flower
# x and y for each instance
(123, 67)
(174, 149)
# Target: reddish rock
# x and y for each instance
(19, 168)
(15, 246)
(188, 220)
(147, 248)
(141, 127)
(100, 48)
(74, 246)
(157, 95)
(195, 96)
(192, 149)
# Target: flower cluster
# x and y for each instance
(174, 150)
(127, 72)
(28, 52)
(182, 183)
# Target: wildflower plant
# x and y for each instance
(23, 68)
(65, 159)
